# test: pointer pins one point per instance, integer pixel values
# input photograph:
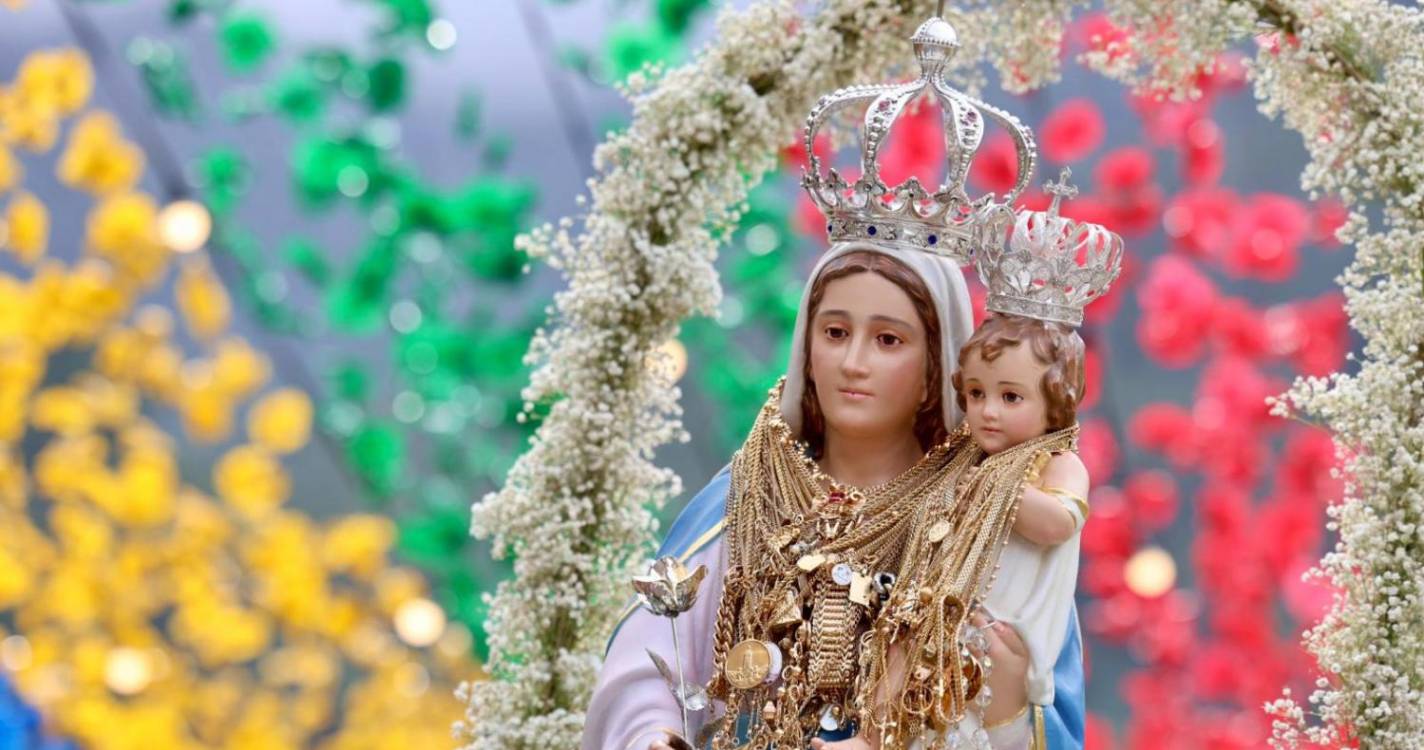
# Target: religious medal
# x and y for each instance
(810, 562)
(752, 663)
(860, 589)
(842, 574)
(939, 530)
(831, 718)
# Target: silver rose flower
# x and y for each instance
(669, 589)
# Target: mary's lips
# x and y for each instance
(853, 393)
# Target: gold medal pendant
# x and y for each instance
(753, 663)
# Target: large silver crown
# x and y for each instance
(948, 221)
(1051, 266)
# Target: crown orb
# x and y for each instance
(935, 42)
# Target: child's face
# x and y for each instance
(868, 355)
(1004, 403)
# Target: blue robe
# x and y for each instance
(1056, 727)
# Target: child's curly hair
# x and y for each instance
(1053, 344)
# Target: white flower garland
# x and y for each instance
(574, 510)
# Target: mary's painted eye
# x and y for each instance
(835, 332)
(888, 339)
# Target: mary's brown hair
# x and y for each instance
(929, 425)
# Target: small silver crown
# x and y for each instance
(947, 222)
(1051, 266)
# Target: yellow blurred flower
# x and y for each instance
(123, 229)
(358, 544)
(251, 480)
(206, 412)
(14, 483)
(66, 467)
(14, 4)
(62, 409)
(70, 596)
(16, 578)
(238, 369)
(98, 159)
(147, 483)
(27, 122)
(60, 79)
(26, 228)
(202, 299)
(11, 172)
(281, 422)
(68, 306)
(283, 559)
(221, 634)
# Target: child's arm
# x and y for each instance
(1043, 517)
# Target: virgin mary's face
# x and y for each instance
(868, 356)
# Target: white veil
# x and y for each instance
(945, 282)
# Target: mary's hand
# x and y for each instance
(1009, 677)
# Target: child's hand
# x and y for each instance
(854, 743)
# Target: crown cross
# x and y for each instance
(1060, 190)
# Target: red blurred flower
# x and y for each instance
(1072, 131)
(1199, 221)
(1292, 527)
(1098, 734)
(1097, 33)
(1239, 329)
(1165, 122)
(915, 148)
(1307, 600)
(1317, 342)
(1203, 156)
(1109, 531)
(1092, 377)
(1330, 214)
(1266, 238)
(1152, 496)
(1177, 300)
(1135, 213)
(1166, 429)
(1305, 467)
(996, 165)
(809, 219)
(1098, 449)
(1123, 169)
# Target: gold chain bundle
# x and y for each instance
(808, 622)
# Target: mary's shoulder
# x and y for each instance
(700, 519)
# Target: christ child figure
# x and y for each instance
(1020, 378)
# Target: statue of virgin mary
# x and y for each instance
(804, 532)
(864, 590)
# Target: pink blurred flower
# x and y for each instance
(1177, 300)
(1166, 429)
(1305, 467)
(1266, 238)
(1329, 214)
(1239, 330)
(1203, 156)
(1072, 131)
(915, 148)
(1152, 496)
(1199, 221)
(1098, 449)
(995, 166)
(1124, 169)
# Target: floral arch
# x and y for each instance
(1348, 75)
